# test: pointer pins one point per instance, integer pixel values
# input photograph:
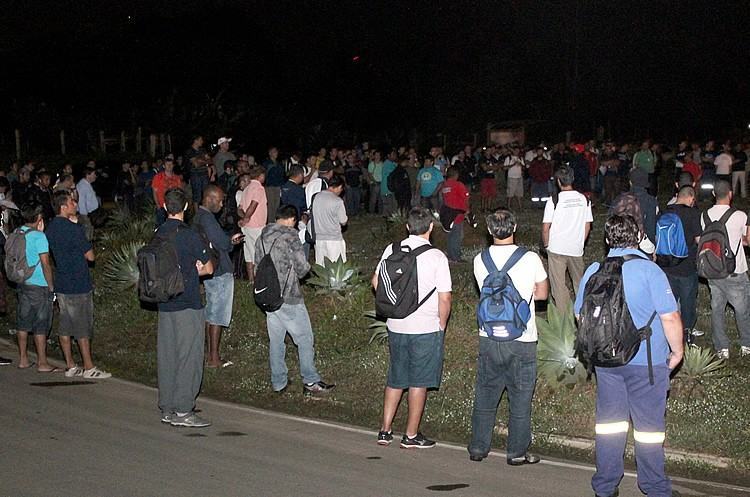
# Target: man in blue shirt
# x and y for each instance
(429, 180)
(625, 392)
(387, 200)
(87, 201)
(179, 353)
(292, 192)
(72, 252)
(275, 178)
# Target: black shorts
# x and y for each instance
(34, 309)
(416, 360)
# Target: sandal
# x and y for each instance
(73, 372)
(96, 374)
(53, 370)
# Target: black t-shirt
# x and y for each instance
(353, 175)
(190, 248)
(691, 225)
(739, 161)
(68, 245)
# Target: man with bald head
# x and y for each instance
(220, 286)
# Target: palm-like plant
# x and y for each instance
(121, 267)
(556, 361)
(397, 218)
(377, 327)
(135, 230)
(699, 364)
(334, 276)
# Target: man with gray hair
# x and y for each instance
(565, 228)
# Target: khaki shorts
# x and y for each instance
(251, 236)
(515, 187)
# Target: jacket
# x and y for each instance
(283, 243)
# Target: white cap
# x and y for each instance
(223, 139)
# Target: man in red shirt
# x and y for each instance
(540, 171)
(454, 209)
(688, 166)
(162, 182)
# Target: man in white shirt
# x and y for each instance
(723, 163)
(734, 289)
(515, 166)
(416, 341)
(87, 201)
(565, 228)
(507, 364)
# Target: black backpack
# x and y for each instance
(160, 276)
(716, 260)
(607, 336)
(267, 291)
(397, 295)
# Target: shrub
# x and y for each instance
(377, 327)
(120, 270)
(334, 276)
(698, 366)
(557, 363)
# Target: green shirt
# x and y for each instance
(376, 169)
(645, 159)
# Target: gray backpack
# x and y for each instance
(17, 268)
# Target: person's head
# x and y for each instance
(144, 167)
(24, 175)
(229, 167)
(467, 150)
(683, 145)
(539, 152)
(243, 166)
(501, 224)
(169, 165)
(429, 161)
(213, 198)
(175, 202)
(564, 177)
(638, 178)
(67, 169)
(126, 167)
(646, 145)
(257, 173)
(32, 214)
(197, 142)
(224, 143)
(44, 179)
(376, 156)
(296, 174)
(89, 173)
(326, 170)
(686, 195)
(452, 172)
(322, 152)
(66, 182)
(286, 215)
(336, 184)
(723, 192)
(273, 153)
(685, 179)
(621, 231)
(243, 181)
(419, 222)
(64, 203)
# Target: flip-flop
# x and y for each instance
(53, 370)
(226, 364)
(31, 365)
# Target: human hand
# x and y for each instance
(199, 266)
(237, 238)
(674, 359)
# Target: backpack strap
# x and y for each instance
(416, 252)
(489, 264)
(513, 259)
(723, 220)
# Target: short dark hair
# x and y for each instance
(175, 200)
(621, 231)
(565, 175)
(722, 189)
(686, 191)
(295, 170)
(60, 198)
(419, 220)
(685, 179)
(501, 223)
(210, 190)
(256, 172)
(452, 172)
(286, 211)
(88, 170)
(31, 211)
(335, 181)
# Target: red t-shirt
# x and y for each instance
(161, 183)
(456, 196)
(694, 169)
(540, 170)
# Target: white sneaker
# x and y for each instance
(73, 372)
(744, 351)
(96, 374)
(697, 333)
(723, 354)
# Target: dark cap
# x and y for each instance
(325, 166)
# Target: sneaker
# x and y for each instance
(73, 372)
(385, 437)
(318, 387)
(615, 494)
(527, 458)
(744, 351)
(5, 362)
(167, 417)
(697, 333)
(417, 442)
(96, 374)
(190, 420)
(723, 354)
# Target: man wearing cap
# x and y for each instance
(222, 155)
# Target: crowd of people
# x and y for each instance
(241, 211)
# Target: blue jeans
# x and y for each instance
(455, 239)
(501, 366)
(353, 198)
(735, 291)
(198, 183)
(292, 319)
(685, 290)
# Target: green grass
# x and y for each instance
(713, 421)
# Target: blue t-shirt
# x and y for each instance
(429, 178)
(646, 290)
(294, 194)
(388, 168)
(190, 248)
(68, 244)
(36, 244)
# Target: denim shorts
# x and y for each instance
(76, 315)
(219, 298)
(34, 309)
(416, 360)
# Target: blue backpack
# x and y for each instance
(502, 313)
(671, 247)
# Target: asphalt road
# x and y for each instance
(62, 437)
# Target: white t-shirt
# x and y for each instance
(314, 186)
(526, 273)
(723, 164)
(736, 229)
(568, 231)
(515, 166)
(433, 272)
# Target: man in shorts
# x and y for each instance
(220, 286)
(254, 210)
(72, 252)
(36, 294)
(416, 341)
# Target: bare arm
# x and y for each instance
(672, 324)
(444, 308)
(545, 233)
(204, 269)
(541, 290)
(250, 210)
(90, 255)
(374, 280)
(47, 270)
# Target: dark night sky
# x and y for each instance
(679, 66)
